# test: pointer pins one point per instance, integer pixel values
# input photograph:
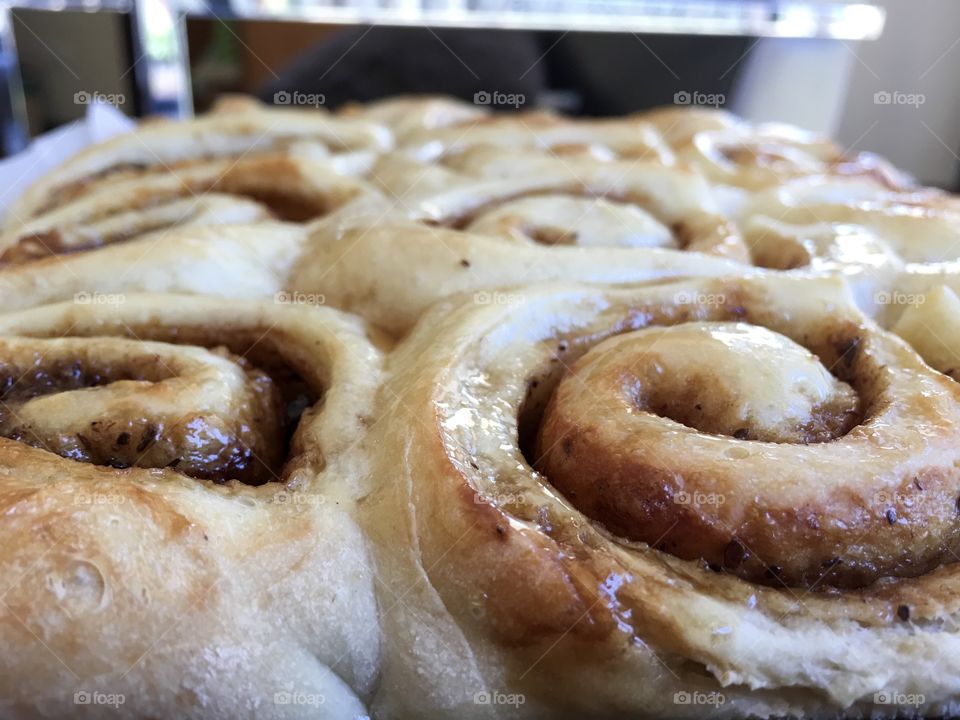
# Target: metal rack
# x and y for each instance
(161, 54)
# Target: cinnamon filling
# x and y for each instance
(210, 415)
(659, 434)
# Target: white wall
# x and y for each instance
(918, 54)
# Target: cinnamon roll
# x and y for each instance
(408, 116)
(893, 244)
(390, 270)
(607, 501)
(643, 443)
(726, 150)
(179, 477)
(245, 166)
(730, 151)
(578, 201)
(239, 261)
(147, 211)
(931, 324)
(625, 138)
(163, 145)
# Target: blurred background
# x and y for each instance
(877, 76)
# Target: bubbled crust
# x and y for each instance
(516, 591)
(190, 598)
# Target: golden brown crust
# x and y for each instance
(710, 441)
(283, 530)
(540, 592)
(196, 193)
(217, 136)
(168, 592)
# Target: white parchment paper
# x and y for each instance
(49, 150)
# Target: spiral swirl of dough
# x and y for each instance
(135, 569)
(610, 496)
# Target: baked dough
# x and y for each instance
(200, 598)
(160, 145)
(391, 270)
(235, 261)
(125, 205)
(730, 151)
(496, 584)
(552, 200)
(412, 115)
(931, 324)
(894, 245)
(641, 450)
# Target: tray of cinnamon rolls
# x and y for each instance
(415, 410)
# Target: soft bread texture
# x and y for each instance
(494, 582)
(126, 226)
(124, 206)
(725, 149)
(931, 324)
(894, 245)
(163, 144)
(391, 271)
(527, 200)
(232, 261)
(413, 114)
(186, 597)
(637, 453)
(628, 138)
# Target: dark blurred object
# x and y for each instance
(589, 73)
(367, 63)
(67, 59)
(621, 73)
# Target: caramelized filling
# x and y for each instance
(247, 439)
